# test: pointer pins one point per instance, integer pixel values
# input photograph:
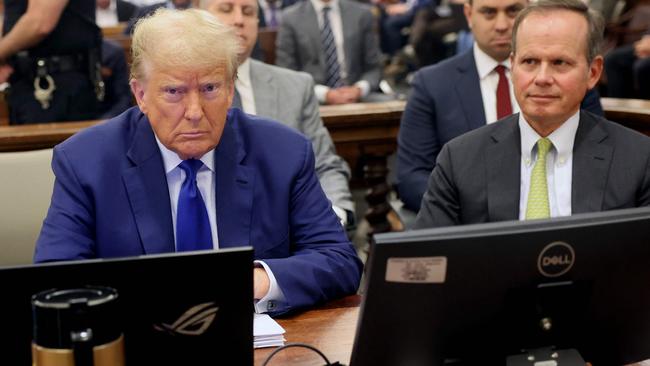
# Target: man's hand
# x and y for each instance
(397, 9)
(642, 47)
(343, 95)
(5, 72)
(261, 283)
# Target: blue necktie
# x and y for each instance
(192, 223)
(332, 67)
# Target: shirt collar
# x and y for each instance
(171, 159)
(244, 73)
(486, 64)
(562, 138)
(319, 5)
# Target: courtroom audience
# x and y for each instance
(270, 12)
(553, 158)
(395, 18)
(150, 9)
(110, 13)
(334, 41)
(628, 70)
(183, 171)
(286, 96)
(460, 94)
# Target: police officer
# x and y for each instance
(52, 51)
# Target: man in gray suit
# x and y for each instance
(286, 96)
(552, 159)
(354, 50)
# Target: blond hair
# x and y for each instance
(182, 39)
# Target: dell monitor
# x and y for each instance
(478, 294)
(186, 308)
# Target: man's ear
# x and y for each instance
(595, 70)
(467, 10)
(137, 88)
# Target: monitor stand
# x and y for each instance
(547, 356)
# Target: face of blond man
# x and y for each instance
(550, 71)
(242, 15)
(187, 108)
(491, 22)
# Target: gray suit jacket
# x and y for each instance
(288, 97)
(477, 175)
(299, 43)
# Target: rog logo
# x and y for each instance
(195, 321)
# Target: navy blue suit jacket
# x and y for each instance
(111, 199)
(445, 102)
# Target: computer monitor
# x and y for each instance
(155, 291)
(476, 294)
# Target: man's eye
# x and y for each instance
(210, 90)
(172, 91)
(225, 8)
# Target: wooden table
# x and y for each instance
(330, 328)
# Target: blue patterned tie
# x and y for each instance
(192, 223)
(332, 67)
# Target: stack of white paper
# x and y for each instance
(267, 332)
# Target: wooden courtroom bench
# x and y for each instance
(633, 113)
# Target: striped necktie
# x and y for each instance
(332, 67)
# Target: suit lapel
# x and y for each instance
(591, 162)
(468, 91)
(234, 186)
(264, 91)
(504, 171)
(313, 32)
(148, 194)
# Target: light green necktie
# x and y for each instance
(538, 207)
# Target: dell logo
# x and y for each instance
(195, 321)
(555, 259)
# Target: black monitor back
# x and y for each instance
(154, 292)
(478, 293)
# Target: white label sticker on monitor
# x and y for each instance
(416, 270)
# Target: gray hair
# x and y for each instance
(189, 38)
(595, 22)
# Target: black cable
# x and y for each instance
(304, 345)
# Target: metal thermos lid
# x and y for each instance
(59, 313)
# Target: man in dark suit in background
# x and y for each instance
(460, 94)
(183, 172)
(347, 68)
(552, 159)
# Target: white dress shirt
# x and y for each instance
(559, 165)
(107, 17)
(205, 180)
(489, 79)
(245, 87)
(337, 30)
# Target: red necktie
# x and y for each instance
(504, 107)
